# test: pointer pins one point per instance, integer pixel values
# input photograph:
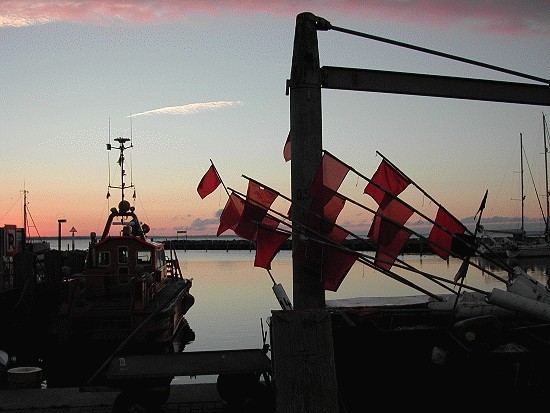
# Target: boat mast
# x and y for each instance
(24, 241)
(544, 133)
(122, 186)
(522, 194)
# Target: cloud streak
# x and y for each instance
(187, 109)
(524, 17)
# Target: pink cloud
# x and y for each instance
(525, 17)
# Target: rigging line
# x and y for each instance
(108, 157)
(7, 212)
(534, 186)
(364, 259)
(441, 54)
(34, 224)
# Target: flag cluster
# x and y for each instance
(319, 247)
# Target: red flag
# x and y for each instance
(268, 244)
(258, 201)
(286, 149)
(260, 195)
(332, 262)
(322, 222)
(386, 254)
(390, 236)
(336, 265)
(328, 178)
(326, 204)
(388, 178)
(441, 233)
(209, 182)
(382, 230)
(242, 216)
(231, 214)
(338, 235)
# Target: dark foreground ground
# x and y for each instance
(196, 398)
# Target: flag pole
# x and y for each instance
(381, 215)
(411, 231)
(398, 199)
(417, 186)
(461, 274)
(219, 177)
(500, 262)
(403, 265)
(453, 235)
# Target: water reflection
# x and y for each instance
(536, 267)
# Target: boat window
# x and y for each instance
(103, 258)
(144, 257)
(123, 255)
(123, 275)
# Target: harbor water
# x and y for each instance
(234, 299)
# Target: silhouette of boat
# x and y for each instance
(130, 297)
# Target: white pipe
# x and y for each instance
(518, 303)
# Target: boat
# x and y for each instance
(491, 244)
(130, 298)
(534, 245)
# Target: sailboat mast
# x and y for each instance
(522, 193)
(547, 219)
(24, 241)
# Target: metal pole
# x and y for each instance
(59, 221)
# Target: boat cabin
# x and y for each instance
(115, 260)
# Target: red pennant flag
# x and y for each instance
(441, 234)
(323, 221)
(390, 236)
(231, 214)
(260, 195)
(243, 216)
(209, 182)
(332, 262)
(326, 204)
(336, 265)
(382, 230)
(255, 208)
(388, 178)
(268, 244)
(286, 149)
(387, 254)
(328, 178)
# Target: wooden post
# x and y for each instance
(301, 339)
(306, 147)
(303, 356)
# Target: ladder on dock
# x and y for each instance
(173, 265)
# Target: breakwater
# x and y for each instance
(413, 246)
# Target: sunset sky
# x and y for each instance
(195, 80)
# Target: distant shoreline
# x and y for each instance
(414, 245)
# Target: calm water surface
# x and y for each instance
(234, 299)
